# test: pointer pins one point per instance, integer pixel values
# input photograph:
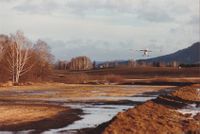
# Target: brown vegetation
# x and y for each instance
(191, 93)
(33, 100)
(158, 116)
(152, 118)
(113, 78)
(147, 72)
(17, 117)
(14, 114)
(138, 72)
(62, 91)
(80, 63)
(138, 76)
(84, 78)
(21, 60)
(76, 64)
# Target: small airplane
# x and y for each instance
(145, 51)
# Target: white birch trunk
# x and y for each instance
(19, 56)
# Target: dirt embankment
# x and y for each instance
(158, 116)
(191, 93)
(18, 117)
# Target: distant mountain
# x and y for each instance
(190, 55)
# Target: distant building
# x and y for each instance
(113, 64)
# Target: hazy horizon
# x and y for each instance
(104, 30)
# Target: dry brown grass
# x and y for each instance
(188, 93)
(114, 78)
(83, 78)
(140, 72)
(73, 91)
(152, 118)
(16, 114)
(75, 79)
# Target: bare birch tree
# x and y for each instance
(18, 56)
(80, 63)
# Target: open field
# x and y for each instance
(15, 117)
(29, 107)
(141, 72)
(99, 67)
(72, 91)
(142, 75)
(81, 108)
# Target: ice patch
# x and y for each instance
(192, 109)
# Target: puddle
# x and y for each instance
(99, 111)
(95, 115)
(117, 98)
(37, 92)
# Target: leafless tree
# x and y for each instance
(3, 41)
(44, 59)
(80, 63)
(18, 56)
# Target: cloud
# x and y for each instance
(96, 49)
(77, 7)
(6, 1)
(194, 20)
(105, 50)
(106, 6)
(103, 29)
(37, 7)
(155, 15)
(149, 11)
(144, 10)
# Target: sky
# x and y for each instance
(104, 29)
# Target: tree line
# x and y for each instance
(21, 60)
(77, 63)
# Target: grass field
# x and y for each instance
(124, 74)
(141, 72)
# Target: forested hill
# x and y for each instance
(190, 55)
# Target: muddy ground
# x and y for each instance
(42, 106)
(39, 107)
(177, 112)
(37, 117)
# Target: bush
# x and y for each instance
(113, 78)
(76, 79)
